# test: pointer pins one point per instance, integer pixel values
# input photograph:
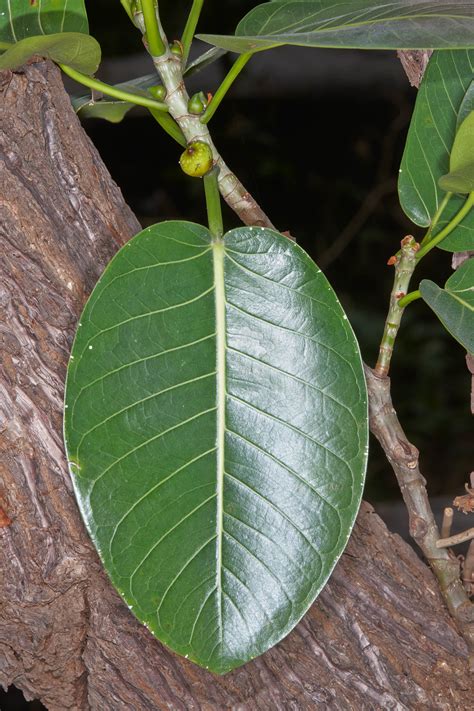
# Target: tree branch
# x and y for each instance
(378, 636)
(403, 457)
(170, 68)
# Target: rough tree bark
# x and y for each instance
(378, 637)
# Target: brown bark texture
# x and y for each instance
(378, 637)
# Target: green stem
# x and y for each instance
(5, 45)
(154, 40)
(112, 90)
(405, 300)
(170, 126)
(234, 72)
(436, 218)
(404, 268)
(213, 203)
(190, 28)
(428, 246)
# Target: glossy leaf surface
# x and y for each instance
(429, 143)
(77, 50)
(28, 18)
(454, 305)
(402, 24)
(460, 178)
(216, 429)
(55, 29)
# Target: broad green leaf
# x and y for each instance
(402, 24)
(28, 18)
(429, 142)
(454, 305)
(216, 430)
(460, 178)
(113, 110)
(77, 50)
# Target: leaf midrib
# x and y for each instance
(218, 254)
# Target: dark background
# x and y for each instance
(317, 138)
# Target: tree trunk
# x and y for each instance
(378, 637)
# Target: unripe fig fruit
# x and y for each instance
(197, 103)
(158, 92)
(196, 160)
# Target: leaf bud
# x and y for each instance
(197, 159)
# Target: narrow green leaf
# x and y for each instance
(204, 60)
(429, 142)
(27, 18)
(113, 110)
(467, 105)
(77, 50)
(460, 178)
(459, 181)
(454, 305)
(216, 430)
(399, 24)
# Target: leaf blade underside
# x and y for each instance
(454, 305)
(402, 24)
(217, 435)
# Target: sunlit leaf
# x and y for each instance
(216, 430)
(399, 24)
(454, 305)
(55, 29)
(28, 18)
(77, 50)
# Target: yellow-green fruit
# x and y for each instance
(196, 160)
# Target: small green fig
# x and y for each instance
(196, 160)
(197, 103)
(158, 92)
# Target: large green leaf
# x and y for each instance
(460, 178)
(55, 29)
(399, 24)
(429, 142)
(454, 305)
(216, 430)
(77, 50)
(27, 18)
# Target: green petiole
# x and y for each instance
(428, 246)
(112, 91)
(234, 72)
(155, 43)
(408, 298)
(190, 28)
(213, 203)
